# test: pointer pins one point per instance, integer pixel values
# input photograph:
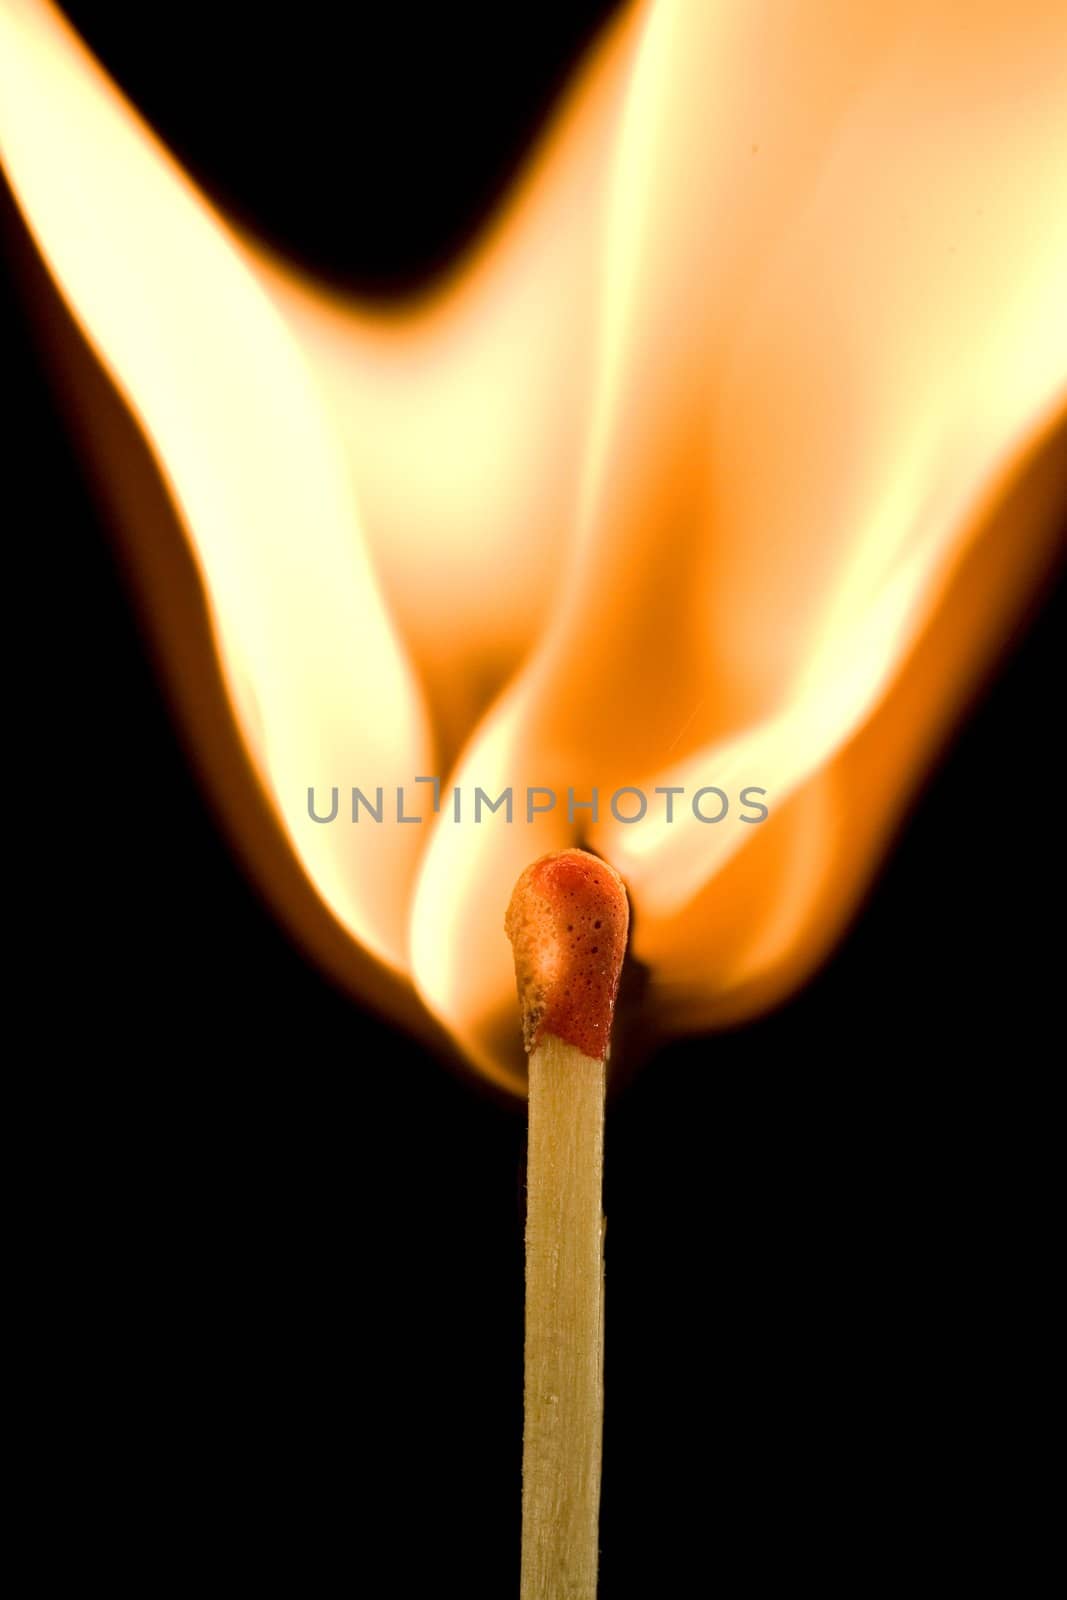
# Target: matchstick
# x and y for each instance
(567, 922)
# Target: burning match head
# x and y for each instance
(567, 923)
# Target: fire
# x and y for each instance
(722, 463)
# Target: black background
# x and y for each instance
(285, 1246)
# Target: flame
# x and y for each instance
(725, 459)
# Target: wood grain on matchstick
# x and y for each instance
(564, 1393)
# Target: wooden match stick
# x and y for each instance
(567, 921)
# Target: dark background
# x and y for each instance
(284, 1245)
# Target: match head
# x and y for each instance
(567, 923)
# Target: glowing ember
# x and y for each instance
(712, 470)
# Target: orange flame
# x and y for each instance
(724, 461)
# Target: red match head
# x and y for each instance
(567, 923)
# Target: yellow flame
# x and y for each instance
(721, 462)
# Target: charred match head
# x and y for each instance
(567, 923)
